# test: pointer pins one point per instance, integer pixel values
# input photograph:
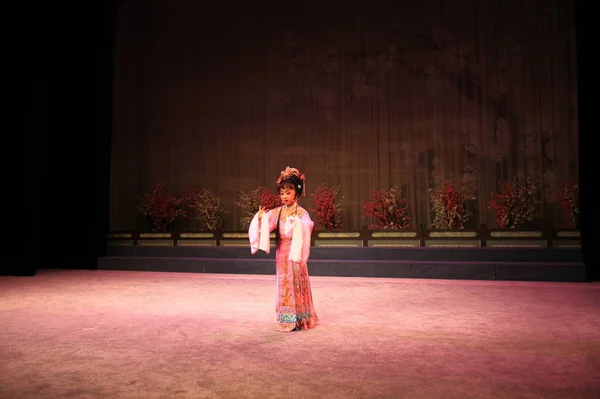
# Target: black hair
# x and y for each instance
(292, 181)
(277, 236)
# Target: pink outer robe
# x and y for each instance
(294, 306)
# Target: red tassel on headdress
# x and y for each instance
(303, 177)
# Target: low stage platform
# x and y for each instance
(517, 264)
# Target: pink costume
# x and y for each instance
(294, 305)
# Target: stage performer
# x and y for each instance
(293, 227)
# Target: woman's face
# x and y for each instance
(287, 195)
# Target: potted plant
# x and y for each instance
(327, 207)
(206, 208)
(161, 208)
(516, 205)
(569, 201)
(448, 204)
(388, 208)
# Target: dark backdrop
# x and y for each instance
(71, 127)
(358, 94)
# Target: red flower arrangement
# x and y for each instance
(516, 205)
(569, 200)
(327, 207)
(161, 208)
(388, 208)
(250, 202)
(206, 209)
(449, 206)
(269, 200)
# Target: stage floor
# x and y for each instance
(132, 334)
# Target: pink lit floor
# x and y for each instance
(114, 334)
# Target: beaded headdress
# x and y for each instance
(289, 172)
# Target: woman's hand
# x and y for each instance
(261, 210)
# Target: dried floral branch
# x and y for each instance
(206, 208)
(249, 202)
(161, 208)
(569, 200)
(388, 208)
(516, 205)
(328, 207)
(449, 206)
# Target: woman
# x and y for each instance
(293, 226)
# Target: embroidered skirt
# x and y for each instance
(294, 304)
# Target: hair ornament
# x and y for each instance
(289, 172)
